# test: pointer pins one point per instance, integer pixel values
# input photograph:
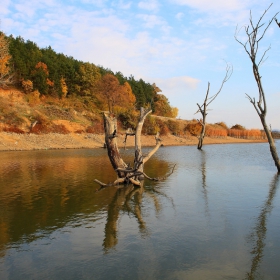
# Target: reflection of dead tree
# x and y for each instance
(259, 234)
(255, 34)
(203, 108)
(204, 186)
(127, 174)
(110, 239)
(122, 202)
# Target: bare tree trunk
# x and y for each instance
(110, 128)
(203, 108)
(251, 47)
(271, 142)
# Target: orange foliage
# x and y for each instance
(246, 133)
(43, 66)
(27, 86)
(193, 128)
(215, 133)
(50, 83)
(113, 94)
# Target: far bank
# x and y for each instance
(27, 142)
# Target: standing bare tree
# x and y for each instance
(203, 108)
(255, 33)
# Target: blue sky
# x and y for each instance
(181, 45)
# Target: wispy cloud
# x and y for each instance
(214, 5)
(179, 16)
(151, 5)
(177, 84)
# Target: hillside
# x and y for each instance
(30, 122)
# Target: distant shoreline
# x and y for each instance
(27, 142)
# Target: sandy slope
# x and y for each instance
(20, 142)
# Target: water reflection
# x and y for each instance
(43, 191)
(204, 185)
(258, 235)
(128, 200)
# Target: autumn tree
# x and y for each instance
(208, 100)
(64, 88)
(40, 78)
(126, 98)
(6, 75)
(254, 33)
(89, 77)
(162, 107)
(108, 88)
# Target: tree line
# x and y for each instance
(25, 65)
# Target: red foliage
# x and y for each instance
(96, 129)
(13, 129)
(44, 129)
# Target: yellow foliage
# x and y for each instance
(27, 86)
(5, 71)
(64, 88)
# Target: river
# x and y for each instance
(216, 217)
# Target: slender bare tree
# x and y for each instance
(255, 33)
(203, 108)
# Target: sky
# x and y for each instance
(180, 45)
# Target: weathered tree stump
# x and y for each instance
(125, 173)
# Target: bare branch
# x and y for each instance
(160, 178)
(229, 71)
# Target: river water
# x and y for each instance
(216, 217)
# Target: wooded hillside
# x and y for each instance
(47, 73)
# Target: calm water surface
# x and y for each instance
(216, 217)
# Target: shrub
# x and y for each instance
(13, 129)
(222, 124)
(174, 127)
(27, 86)
(193, 128)
(150, 126)
(238, 126)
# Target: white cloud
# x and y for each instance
(150, 5)
(123, 5)
(151, 21)
(176, 84)
(214, 5)
(179, 16)
(4, 9)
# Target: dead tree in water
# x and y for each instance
(126, 173)
(203, 108)
(255, 34)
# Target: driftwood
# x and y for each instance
(125, 173)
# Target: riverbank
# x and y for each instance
(26, 142)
